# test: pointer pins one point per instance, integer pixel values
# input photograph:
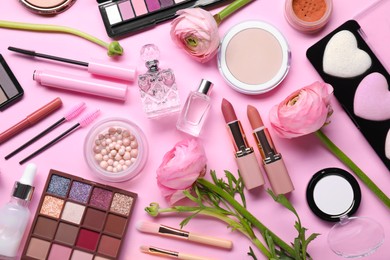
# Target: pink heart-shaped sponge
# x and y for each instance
(372, 98)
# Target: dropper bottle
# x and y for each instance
(15, 215)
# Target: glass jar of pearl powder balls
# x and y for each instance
(116, 149)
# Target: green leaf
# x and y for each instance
(270, 243)
(187, 219)
(281, 199)
(252, 254)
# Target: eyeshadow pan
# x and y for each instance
(121, 204)
(45, 227)
(87, 239)
(152, 5)
(80, 192)
(109, 246)
(101, 198)
(100, 258)
(139, 7)
(59, 252)
(126, 10)
(73, 212)
(115, 225)
(66, 234)
(80, 255)
(38, 248)
(52, 206)
(3, 97)
(166, 3)
(94, 219)
(113, 14)
(58, 186)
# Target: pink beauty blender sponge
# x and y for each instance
(372, 98)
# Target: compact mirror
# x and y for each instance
(334, 195)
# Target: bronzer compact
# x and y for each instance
(254, 57)
(79, 220)
(334, 195)
(353, 59)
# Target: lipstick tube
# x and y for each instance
(244, 154)
(31, 119)
(80, 84)
(272, 160)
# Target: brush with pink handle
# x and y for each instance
(150, 227)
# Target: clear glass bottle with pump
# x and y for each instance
(15, 215)
(158, 89)
(195, 110)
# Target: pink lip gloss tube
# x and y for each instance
(76, 83)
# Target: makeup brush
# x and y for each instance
(154, 228)
(74, 112)
(83, 122)
(172, 254)
(107, 69)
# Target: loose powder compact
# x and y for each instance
(254, 57)
(79, 220)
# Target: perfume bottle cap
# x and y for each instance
(150, 54)
(24, 188)
(205, 87)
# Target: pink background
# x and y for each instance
(303, 156)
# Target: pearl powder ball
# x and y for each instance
(115, 149)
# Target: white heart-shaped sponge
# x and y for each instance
(343, 58)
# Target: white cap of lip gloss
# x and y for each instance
(76, 83)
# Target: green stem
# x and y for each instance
(348, 162)
(228, 10)
(113, 48)
(227, 220)
(245, 213)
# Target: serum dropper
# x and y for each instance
(15, 215)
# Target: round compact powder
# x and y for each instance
(47, 6)
(254, 57)
(245, 59)
(333, 193)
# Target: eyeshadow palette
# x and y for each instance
(345, 60)
(121, 17)
(79, 220)
(10, 89)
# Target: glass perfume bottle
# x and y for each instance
(14, 215)
(159, 93)
(195, 110)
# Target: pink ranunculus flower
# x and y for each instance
(180, 168)
(303, 112)
(196, 31)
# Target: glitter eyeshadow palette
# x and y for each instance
(345, 60)
(121, 17)
(79, 220)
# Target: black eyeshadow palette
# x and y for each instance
(345, 60)
(10, 89)
(121, 17)
(79, 220)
